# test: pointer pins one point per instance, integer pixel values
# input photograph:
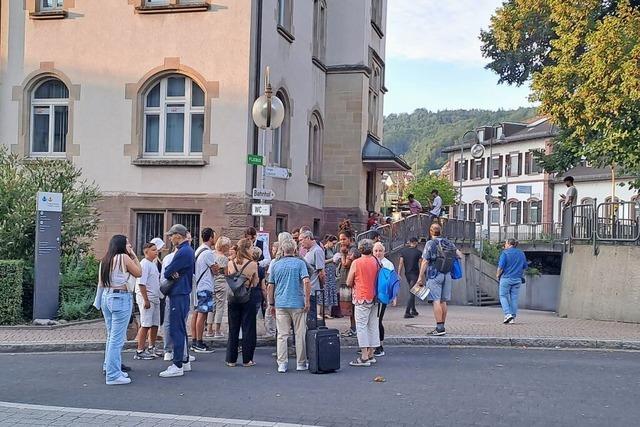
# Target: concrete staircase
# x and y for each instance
(483, 299)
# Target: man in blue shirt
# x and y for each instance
(289, 299)
(511, 267)
(180, 270)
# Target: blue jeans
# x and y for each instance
(509, 291)
(116, 309)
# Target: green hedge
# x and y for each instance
(11, 291)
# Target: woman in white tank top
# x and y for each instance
(116, 268)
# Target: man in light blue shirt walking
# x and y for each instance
(436, 206)
(511, 268)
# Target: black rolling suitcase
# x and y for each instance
(323, 349)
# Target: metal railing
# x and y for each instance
(536, 232)
(607, 222)
(397, 234)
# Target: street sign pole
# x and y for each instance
(262, 175)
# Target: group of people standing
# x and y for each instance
(296, 286)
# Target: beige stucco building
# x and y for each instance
(152, 99)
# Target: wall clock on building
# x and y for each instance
(477, 151)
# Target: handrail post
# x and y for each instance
(594, 227)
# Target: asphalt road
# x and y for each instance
(424, 386)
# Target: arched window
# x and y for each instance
(285, 14)
(513, 211)
(532, 211)
(280, 144)
(611, 208)
(174, 118)
(49, 118)
(478, 212)
(495, 213)
(319, 28)
(586, 201)
(316, 132)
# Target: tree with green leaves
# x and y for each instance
(422, 187)
(20, 180)
(581, 58)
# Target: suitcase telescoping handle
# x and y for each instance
(320, 324)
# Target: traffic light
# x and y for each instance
(502, 193)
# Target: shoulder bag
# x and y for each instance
(239, 293)
(131, 281)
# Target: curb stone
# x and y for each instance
(427, 341)
(50, 327)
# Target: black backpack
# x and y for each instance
(444, 258)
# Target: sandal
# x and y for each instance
(360, 362)
(250, 364)
(230, 365)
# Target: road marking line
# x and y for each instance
(145, 415)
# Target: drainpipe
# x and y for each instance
(256, 89)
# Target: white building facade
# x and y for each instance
(529, 189)
(611, 194)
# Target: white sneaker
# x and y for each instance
(192, 358)
(124, 374)
(168, 356)
(120, 380)
(282, 367)
(302, 366)
(186, 366)
(172, 371)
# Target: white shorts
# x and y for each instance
(151, 316)
(367, 329)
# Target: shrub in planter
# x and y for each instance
(11, 291)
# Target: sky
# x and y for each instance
(433, 58)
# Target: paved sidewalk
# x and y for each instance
(12, 414)
(465, 326)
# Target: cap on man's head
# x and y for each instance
(177, 229)
(413, 239)
(158, 242)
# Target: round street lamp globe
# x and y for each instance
(260, 112)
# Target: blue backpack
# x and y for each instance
(387, 285)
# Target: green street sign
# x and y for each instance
(254, 159)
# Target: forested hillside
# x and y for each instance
(421, 135)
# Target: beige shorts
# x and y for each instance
(151, 316)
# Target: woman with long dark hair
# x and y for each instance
(242, 314)
(330, 286)
(118, 264)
